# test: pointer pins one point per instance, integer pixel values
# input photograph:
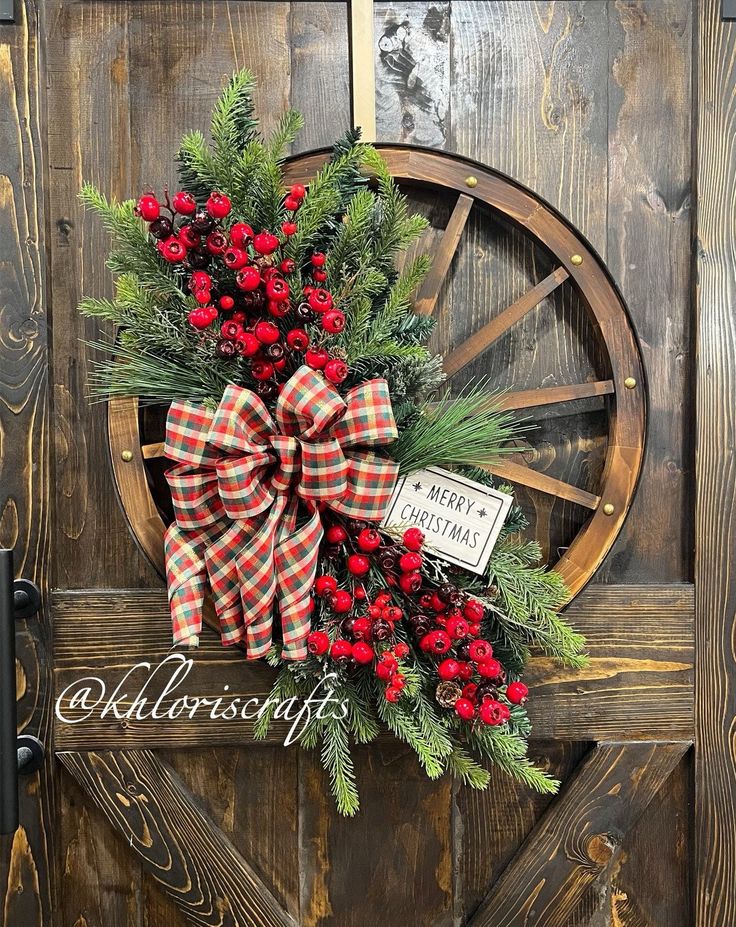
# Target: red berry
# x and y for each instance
(231, 330)
(465, 709)
(172, 250)
(435, 642)
(199, 318)
(226, 303)
(480, 651)
(341, 601)
(203, 297)
(474, 610)
(247, 344)
(216, 243)
(361, 626)
(473, 630)
(277, 289)
(148, 207)
(298, 191)
(491, 712)
(490, 669)
(333, 321)
(469, 691)
(265, 243)
(358, 565)
(318, 643)
(276, 309)
(336, 534)
(410, 583)
(318, 259)
(325, 585)
(389, 660)
(262, 370)
(235, 258)
(398, 680)
(466, 671)
(212, 311)
(383, 671)
(218, 205)
(320, 276)
(336, 371)
(307, 290)
(393, 694)
(249, 278)
(189, 236)
(240, 234)
(505, 712)
(291, 203)
(457, 628)
(297, 339)
(448, 669)
(266, 332)
(359, 592)
(362, 653)
(288, 228)
(410, 561)
(320, 300)
(392, 613)
(516, 693)
(316, 358)
(200, 280)
(239, 316)
(413, 538)
(341, 648)
(184, 203)
(369, 540)
(287, 266)
(280, 364)
(383, 599)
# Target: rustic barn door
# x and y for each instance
(590, 104)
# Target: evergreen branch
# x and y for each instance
(338, 762)
(285, 133)
(468, 770)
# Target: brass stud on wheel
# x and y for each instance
(629, 383)
(127, 456)
(576, 259)
(608, 509)
(471, 181)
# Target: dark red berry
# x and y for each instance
(161, 228)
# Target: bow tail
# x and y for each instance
(295, 563)
(258, 582)
(225, 582)
(186, 576)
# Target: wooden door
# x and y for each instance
(592, 105)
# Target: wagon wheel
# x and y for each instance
(614, 389)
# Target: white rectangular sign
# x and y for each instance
(461, 519)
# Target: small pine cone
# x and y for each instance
(492, 592)
(447, 693)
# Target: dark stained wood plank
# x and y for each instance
(649, 246)
(715, 538)
(442, 255)
(188, 855)
(519, 473)
(638, 684)
(392, 863)
(482, 339)
(27, 859)
(579, 835)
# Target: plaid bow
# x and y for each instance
(247, 493)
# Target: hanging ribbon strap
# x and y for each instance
(247, 493)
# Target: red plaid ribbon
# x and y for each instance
(246, 492)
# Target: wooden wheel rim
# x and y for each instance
(577, 261)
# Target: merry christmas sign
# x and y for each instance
(461, 519)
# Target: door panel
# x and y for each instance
(571, 98)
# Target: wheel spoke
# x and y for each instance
(151, 451)
(525, 476)
(482, 340)
(530, 398)
(442, 256)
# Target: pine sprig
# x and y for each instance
(338, 761)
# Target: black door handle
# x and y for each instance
(18, 599)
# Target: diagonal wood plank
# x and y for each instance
(442, 256)
(520, 473)
(579, 835)
(481, 340)
(187, 854)
(531, 398)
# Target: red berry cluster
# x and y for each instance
(246, 306)
(445, 621)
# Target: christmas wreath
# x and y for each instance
(276, 324)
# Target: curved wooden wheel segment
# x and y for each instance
(574, 264)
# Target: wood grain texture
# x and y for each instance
(27, 866)
(638, 684)
(715, 696)
(190, 858)
(442, 255)
(579, 835)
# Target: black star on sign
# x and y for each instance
(482, 513)
(417, 487)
